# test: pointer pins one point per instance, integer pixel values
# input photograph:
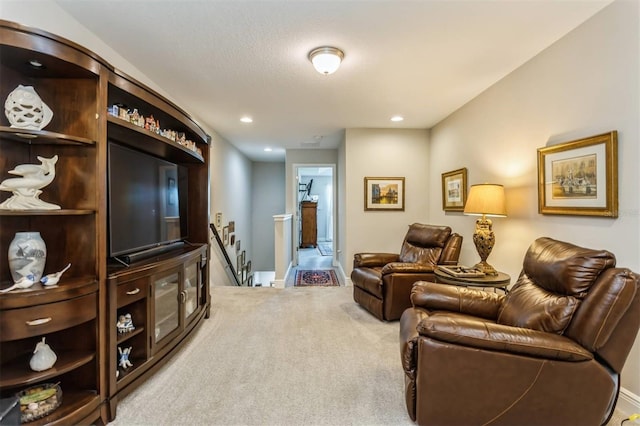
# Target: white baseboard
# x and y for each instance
(343, 277)
(628, 402)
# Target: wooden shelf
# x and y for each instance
(144, 140)
(39, 294)
(42, 137)
(123, 337)
(60, 212)
(18, 373)
(76, 407)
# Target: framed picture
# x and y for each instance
(239, 264)
(238, 246)
(244, 257)
(454, 190)
(225, 235)
(384, 193)
(248, 266)
(218, 219)
(579, 177)
(232, 239)
(232, 226)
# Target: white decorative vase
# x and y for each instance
(27, 255)
(25, 110)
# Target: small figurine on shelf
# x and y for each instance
(27, 189)
(123, 360)
(24, 282)
(52, 279)
(125, 324)
(43, 357)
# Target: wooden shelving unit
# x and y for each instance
(78, 316)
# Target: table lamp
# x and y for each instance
(486, 200)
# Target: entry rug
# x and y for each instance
(316, 278)
(325, 249)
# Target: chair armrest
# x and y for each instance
(407, 268)
(445, 297)
(373, 259)
(472, 332)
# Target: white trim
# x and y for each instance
(628, 402)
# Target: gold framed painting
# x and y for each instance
(384, 193)
(454, 190)
(579, 177)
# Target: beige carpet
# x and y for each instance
(293, 356)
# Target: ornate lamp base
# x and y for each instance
(484, 240)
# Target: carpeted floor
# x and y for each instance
(267, 356)
(325, 249)
(316, 278)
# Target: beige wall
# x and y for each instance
(383, 153)
(585, 84)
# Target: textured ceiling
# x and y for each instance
(221, 60)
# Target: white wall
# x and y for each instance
(268, 199)
(583, 85)
(384, 153)
(231, 183)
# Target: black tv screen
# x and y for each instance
(146, 200)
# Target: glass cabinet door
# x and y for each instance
(166, 305)
(191, 286)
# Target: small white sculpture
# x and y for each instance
(26, 189)
(24, 282)
(43, 357)
(125, 324)
(124, 357)
(52, 279)
(25, 110)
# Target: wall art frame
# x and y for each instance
(225, 235)
(579, 177)
(454, 190)
(384, 193)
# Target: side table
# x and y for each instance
(500, 281)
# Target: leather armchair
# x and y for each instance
(382, 281)
(548, 352)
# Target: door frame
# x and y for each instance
(296, 210)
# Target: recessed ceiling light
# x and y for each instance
(246, 119)
(397, 118)
(267, 149)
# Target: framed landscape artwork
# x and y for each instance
(454, 190)
(579, 177)
(384, 193)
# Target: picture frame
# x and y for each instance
(232, 226)
(579, 177)
(238, 245)
(232, 239)
(248, 266)
(225, 235)
(384, 193)
(239, 264)
(454, 190)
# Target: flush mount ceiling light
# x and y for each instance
(397, 118)
(246, 119)
(326, 60)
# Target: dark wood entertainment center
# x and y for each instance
(166, 292)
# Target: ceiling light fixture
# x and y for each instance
(397, 118)
(326, 59)
(246, 119)
(267, 149)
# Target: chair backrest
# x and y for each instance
(426, 244)
(577, 292)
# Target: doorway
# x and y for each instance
(315, 188)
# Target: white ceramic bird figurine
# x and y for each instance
(52, 279)
(24, 282)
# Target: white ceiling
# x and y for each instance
(221, 60)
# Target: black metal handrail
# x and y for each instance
(225, 254)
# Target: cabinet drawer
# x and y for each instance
(42, 319)
(132, 291)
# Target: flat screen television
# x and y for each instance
(146, 201)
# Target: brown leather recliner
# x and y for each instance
(549, 352)
(382, 281)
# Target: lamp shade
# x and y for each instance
(486, 199)
(326, 60)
